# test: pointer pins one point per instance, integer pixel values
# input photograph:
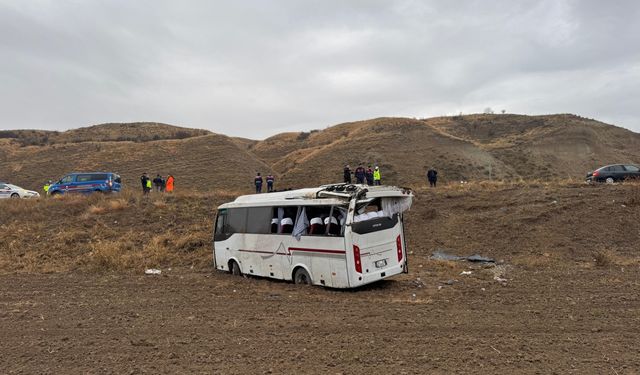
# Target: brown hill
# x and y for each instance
(200, 163)
(135, 132)
(468, 147)
(461, 148)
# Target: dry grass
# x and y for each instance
(124, 232)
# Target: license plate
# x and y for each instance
(381, 263)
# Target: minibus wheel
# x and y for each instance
(234, 268)
(301, 277)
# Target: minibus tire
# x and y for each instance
(234, 268)
(301, 277)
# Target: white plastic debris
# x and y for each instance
(466, 272)
(500, 279)
(152, 271)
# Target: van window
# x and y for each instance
(66, 179)
(631, 168)
(92, 177)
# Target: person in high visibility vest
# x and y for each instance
(170, 181)
(376, 176)
(144, 180)
(46, 186)
(148, 184)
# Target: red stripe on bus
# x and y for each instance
(321, 251)
(324, 251)
(258, 251)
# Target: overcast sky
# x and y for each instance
(257, 68)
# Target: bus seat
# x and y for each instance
(316, 226)
(332, 223)
(274, 225)
(287, 225)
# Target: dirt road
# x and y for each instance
(570, 303)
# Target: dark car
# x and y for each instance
(613, 173)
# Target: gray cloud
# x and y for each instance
(256, 68)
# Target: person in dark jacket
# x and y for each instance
(369, 175)
(270, 180)
(432, 176)
(143, 180)
(347, 174)
(360, 174)
(258, 181)
(157, 182)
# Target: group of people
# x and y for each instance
(258, 181)
(158, 183)
(371, 176)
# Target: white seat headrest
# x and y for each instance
(315, 220)
(287, 221)
(333, 220)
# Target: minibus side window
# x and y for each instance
(316, 216)
(283, 219)
(259, 220)
(237, 220)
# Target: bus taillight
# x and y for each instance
(399, 247)
(356, 258)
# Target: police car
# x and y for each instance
(102, 182)
(13, 191)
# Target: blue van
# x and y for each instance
(101, 182)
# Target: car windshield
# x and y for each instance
(14, 187)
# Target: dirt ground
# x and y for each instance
(564, 299)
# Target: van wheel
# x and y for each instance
(609, 180)
(301, 277)
(234, 268)
(15, 196)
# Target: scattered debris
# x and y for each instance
(443, 255)
(466, 272)
(500, 279)
(152, 271)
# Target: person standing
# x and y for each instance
(157, 182)
(432, 176)
(46, 187)
(360, 174)
(258, 181)
(148, 185)
(143, 180)
(376, 176)
(369, 175)
(270, 180)
(347, 174)
(170, 181)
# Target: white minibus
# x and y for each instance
(339, 236)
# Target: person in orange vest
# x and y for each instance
(169, 184)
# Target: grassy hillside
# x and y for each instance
(135, 132)
(472, 147)
(198, 163)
